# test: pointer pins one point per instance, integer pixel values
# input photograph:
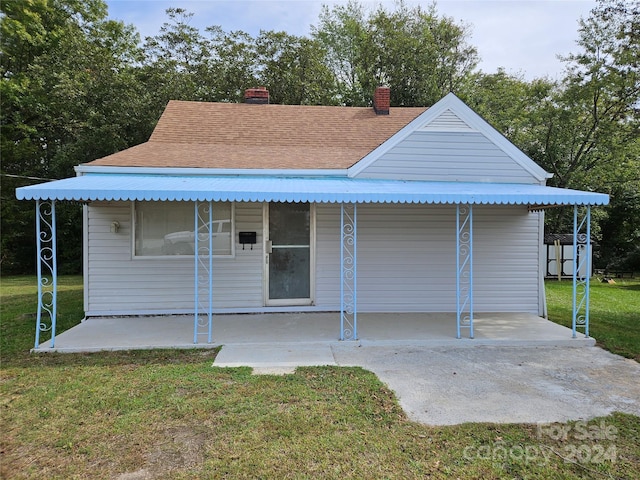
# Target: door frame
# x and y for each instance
(285, 302)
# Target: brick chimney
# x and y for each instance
(258, 95)
(382, 100)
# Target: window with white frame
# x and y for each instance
(167, 228)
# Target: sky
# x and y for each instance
(524, 37)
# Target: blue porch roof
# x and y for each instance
(128, 187)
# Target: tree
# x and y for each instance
(592, 130)
(76, 86)
(620, 242)
(341, 32)
(294, 70)
(69, 95)
(232, 63)
(585, 128)
(420, 55)
(512, 105)
(176, 61)
(598, 106)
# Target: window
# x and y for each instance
(167, 228)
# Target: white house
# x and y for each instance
(313, 208)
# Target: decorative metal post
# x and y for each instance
(581, 269)
(348, 272)
(464, 269)
(203, 258)
(47, 269)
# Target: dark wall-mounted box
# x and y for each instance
(247, 238)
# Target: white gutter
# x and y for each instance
(84, 169)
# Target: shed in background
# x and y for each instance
(559, 256)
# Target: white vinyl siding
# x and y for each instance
(406, 262)
(328, 256)
(117, 283)
(453, 156)
(407, 257)
(506, 259)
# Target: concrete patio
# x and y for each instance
(320, 329)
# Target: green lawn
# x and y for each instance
(614, 313)
(170, 414)
(18, 306)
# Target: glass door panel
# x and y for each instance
(289, 253)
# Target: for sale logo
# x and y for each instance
(582, 442)
(599, 450)
(581, 431)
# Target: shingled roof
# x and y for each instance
(246, 136)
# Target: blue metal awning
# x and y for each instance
(128, 187)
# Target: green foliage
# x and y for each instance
(342, 31)
(294, 69)
(584, 129)
(232, 64)
(418, 54)
(175, 62)
(421, 56)
(77, 86)
(70, 94)
(603, 85)
(512, 105)
(594, 126)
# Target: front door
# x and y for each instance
(289, 253)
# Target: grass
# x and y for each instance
(18, 306)
(170, 414)
(614, 313)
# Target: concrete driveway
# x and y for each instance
(445, 386)
(501, 384)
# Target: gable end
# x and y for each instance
(449, 142)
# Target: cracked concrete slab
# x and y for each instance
(446, 386)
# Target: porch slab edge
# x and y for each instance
(453, 343)
(121, 348)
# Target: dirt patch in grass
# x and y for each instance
(177, 449)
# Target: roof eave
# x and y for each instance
(195, 171)
(104, 187)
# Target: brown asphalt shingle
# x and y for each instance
(249, 136)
